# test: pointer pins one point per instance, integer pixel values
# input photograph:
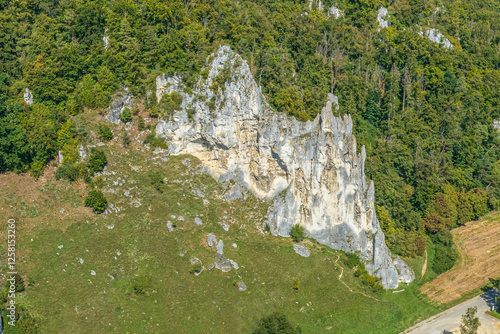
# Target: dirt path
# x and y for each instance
(478, 244)
(347, 286)
(424, 267)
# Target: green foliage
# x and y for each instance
(170, 103)
(96, 200)
(352, 261)
(25, 322)
(125, 139)
(142, 285)
(276, 324)
(267, 228)
(97, 161)
(407, 243)
(296, 285)
(446, 254)
(104, 132)
(196, 268)
(154, 141)
(140, 123)
(297, 233)
(386, 224)
(156, 180)
(72, 172)
(74, 106)
(470, 322)
(126, 115)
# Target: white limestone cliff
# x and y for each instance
(310, 171)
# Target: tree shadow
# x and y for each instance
(489, 296)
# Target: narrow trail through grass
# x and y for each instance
(347, 286)
(424, 267)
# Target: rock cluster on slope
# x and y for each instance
(310, 170)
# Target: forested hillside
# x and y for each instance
(424, 111)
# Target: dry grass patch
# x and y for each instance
(479, 246)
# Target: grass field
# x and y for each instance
(479, 246)
(142, 281)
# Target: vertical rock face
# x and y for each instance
(310, 170)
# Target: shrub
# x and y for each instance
(67, 172)
(105, 133)
(369, 280)
(125, 139)
(171, 102)
(267, 228)
(353, 261)
(276, 324)
(378, 288)
(71, 172)
(196, 268)
(155, 142)
(97, 161)
(360, 271)
(140, 124)
(142, 284)
(73, 106)
(296, 285)
(96, 200)
(445, 254)
(297, 233)
(126, 115)
(407, 243)
(156, 180)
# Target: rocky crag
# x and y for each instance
(310, 171)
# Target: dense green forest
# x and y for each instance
(424, 112)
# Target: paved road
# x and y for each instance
(450, 319)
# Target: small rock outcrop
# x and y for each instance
(122, 100)
(335, 12)
(436, 36)
(309, 170)
(381, 18)
(28, 96)
(241, 286)
(211, 240)
(220, 247)
(222, 263)
(301, 250)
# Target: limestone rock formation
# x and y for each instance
(28, 96)
(436, 36)
(335, 12)
(381, 18)
(309, 170)
(122, 100)
(301, 250)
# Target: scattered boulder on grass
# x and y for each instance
(222, 263)
(220, 247)
(224, 225)
(170, 226)
(211, 240)
(241, 286)
(301, 250)
(234, 264)
(198, 221)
